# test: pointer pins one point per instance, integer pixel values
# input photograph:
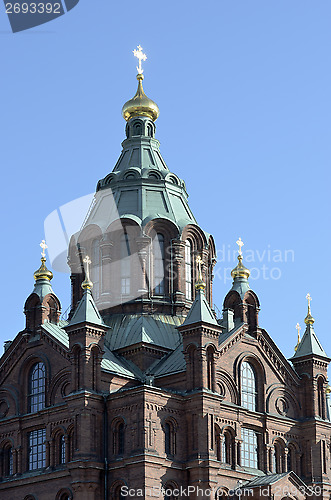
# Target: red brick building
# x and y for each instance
(142, 387)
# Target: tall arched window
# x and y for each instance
(158, 258)
(7, 460)
(118, 438)
(125, 265)
(96, 268)
(36, 397)
(169, 438)
(188, 270)
(227, 452)
(248, 387)
(62, 450)
(321, 402)
(210, 369)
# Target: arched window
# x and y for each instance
(137, 128)
(158, 258)
(125, 265)
(227, 452)
(117, 493)
(291, 459)
(62, 450)
(118, 438)
(210, 369)
(36, 397)
(188, 270)
(8, 460)
(71, 444)
(279, 458)
(169, 492)
(248, 387)
(249, 448)
(169, 438)
(96, 268)
(321, 401)
(192, 355)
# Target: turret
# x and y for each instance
(311, 363)
(86, 332)
(241, 304)
(42, 304)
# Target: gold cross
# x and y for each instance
(43, 246)
(199, 262)
(141, 57)
(240, 245)
(87, 261)
(308, 297)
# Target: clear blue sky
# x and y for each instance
(243, 88)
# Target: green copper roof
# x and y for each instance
(119, 366)
(241, 286)
(173, 363)
(86, 311)
(57, 332)
(309, 345)
(140, 187)
(200, 311)
(130, 329)
(42, 288)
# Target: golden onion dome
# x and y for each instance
(240, 271)
(43, 273)
(140, 104)
(309, 320)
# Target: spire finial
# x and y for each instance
(309, 320)
(43, 273)
(138, 53)
(240, 271)
(43, 246)
(200, 284)
(240, 244)
(298, 327)
(87, 283)
(140, 104)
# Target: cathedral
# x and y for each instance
(142, 391)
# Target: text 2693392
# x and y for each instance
(33, 8)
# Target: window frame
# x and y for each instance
(248, 386)
(36, 448)
(250, 448)
(37, 387)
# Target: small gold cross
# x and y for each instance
(240, 244)
(43, 246)
(140, 56)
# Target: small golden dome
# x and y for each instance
(140, 104)
(240, 271)
(309, 320)
(328, 389)
(43, 273)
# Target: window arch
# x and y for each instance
(291, 459)
(169, 491)
(125, 265)
(248, 386)
(321, 399)
(117, 492)
(7, 460)
(158, 260)
(279, 458)
(188, 270)
(36, 395)
(71, 443)
(169, 438)
(210, 368)
(62, 450)
(96, 268)
(228, 448)
(118, 438)
(64, 494)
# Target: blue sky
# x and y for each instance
(244, 94)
